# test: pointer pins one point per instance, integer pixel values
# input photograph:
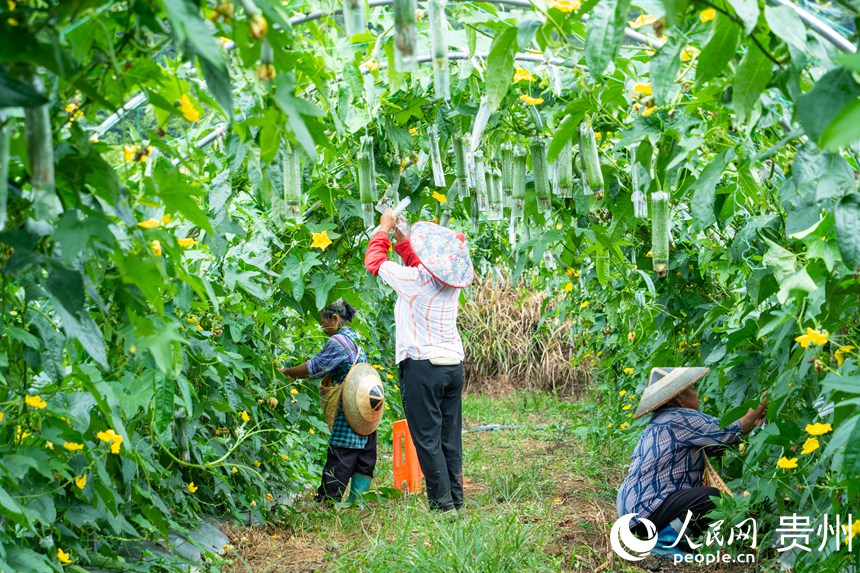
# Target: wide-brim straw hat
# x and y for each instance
(443, 252)
(363, 398)
(666, 383)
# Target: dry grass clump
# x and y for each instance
(509, 347)
(270, 550)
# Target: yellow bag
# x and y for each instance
(330, 394)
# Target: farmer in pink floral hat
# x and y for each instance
(429, 351)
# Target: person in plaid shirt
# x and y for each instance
(350, 456)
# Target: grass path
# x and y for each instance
(537, 500)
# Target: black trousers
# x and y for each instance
(675, 506)
(433, 402)
(341, 463)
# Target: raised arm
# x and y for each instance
(379, 244)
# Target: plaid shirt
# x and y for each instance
(669, 457)
(337, 357)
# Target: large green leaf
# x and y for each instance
(752, 77)
(66, 289)
(500, 66)
(188, 25)
(178, 195)
(844, 130)
(720, 50)
(163, 406)
(787, 25)
(295, 109)
(704, 194)
(848, 229)
(818, 108)
(321, 283)
(218, 81)
(664, 68)
(604, 32)
(748, 10)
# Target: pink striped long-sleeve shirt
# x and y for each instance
(425, 314)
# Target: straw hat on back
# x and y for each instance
(666, 383)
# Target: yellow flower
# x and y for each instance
(185, 243)
(624, 425)
(312, 431)
(188, 110)
(631, 336)
(192, 488)
(81, 481)
(11, 5)
(64, 557)
(224, 40)
(439, 197)
(531, 100)
(583, 304)
(257, 463)
(192, 320)
(707, 15)
(73, 447)
(521, 74)
(628, 371)
(35, 402)
(13, 22)
(649, 254)
(387, 407)
(648, 111)
(285, 456)
(227, 547)
(129, 151)
(565, 5)
(413, 131)
(293, 391)
(689, 53)
(814, 337)
(787, 464)
(810, 446)
(746, 494)
(637, 106)
(2, 415)
(156, 248)
(390, 376)
(198, 327)
(611, 426)
(572, 273)
(371, 65)
(568, 287)
(642, 20)
(818, 429)
(626, 407)
(234, 470)
(320, 241)
(149, 224)
(269, 498)
(396, 387)
(142, 157)
(644, 89)
(840, 353)
(245, 416)
(107, 436)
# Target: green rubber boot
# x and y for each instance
(358, 484)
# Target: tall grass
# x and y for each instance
(509, 345)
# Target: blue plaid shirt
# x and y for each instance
(669, 457)
(337, 357)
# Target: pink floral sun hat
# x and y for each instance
(443, 252)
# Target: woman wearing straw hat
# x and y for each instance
(665, 478)
(351, 454)
(429, 351)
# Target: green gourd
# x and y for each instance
(507, 169)
(564, 170)
(660, 231)
(439, 46)
(293, 181)
(590, 158)
(518, 177)
(405, 35)
(460, 165)
(540, 172)
(436, 158)
(365, 185)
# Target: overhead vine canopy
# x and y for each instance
(184, 184)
